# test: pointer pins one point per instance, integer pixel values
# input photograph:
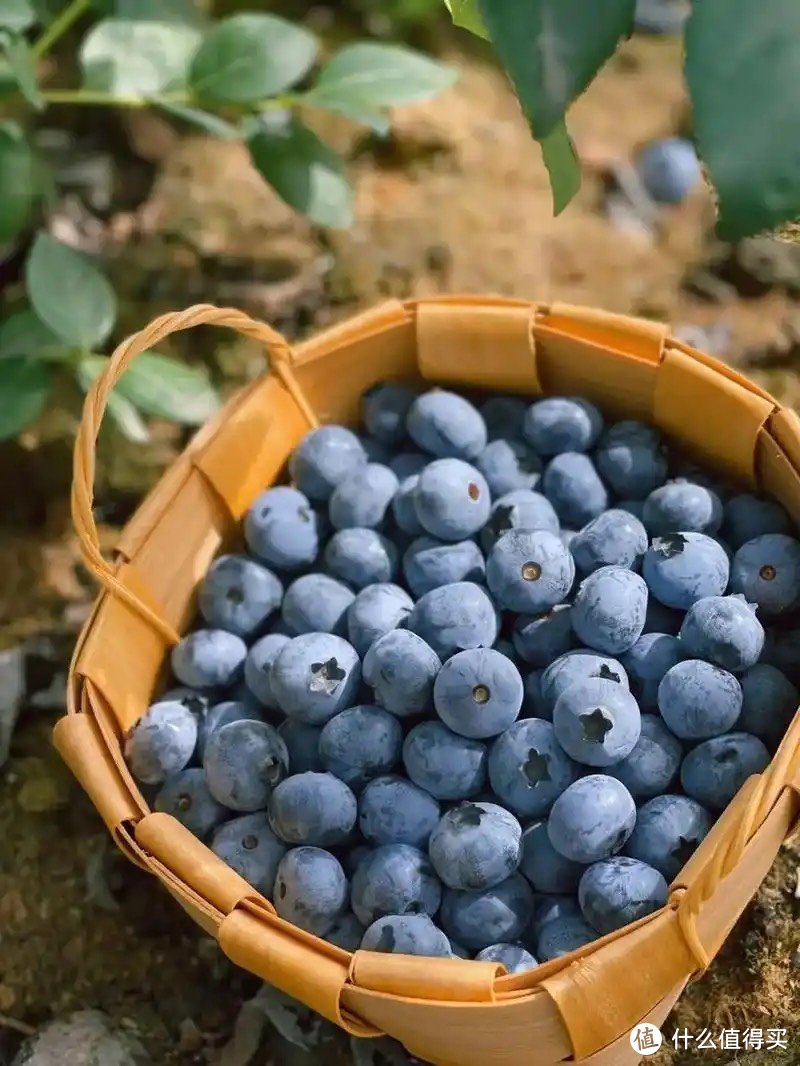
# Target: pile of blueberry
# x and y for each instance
(483, 680)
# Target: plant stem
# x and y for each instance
(93, 97)
(59, 26)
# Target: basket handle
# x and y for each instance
(83, 474)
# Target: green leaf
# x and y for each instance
(743, 69)
(23, 334)
(204, 120)
(22, 68)
(562, 164)
(465, 14)
(165, 388)
(18, 181)
(24, 388)
(251, 57)
(304, 171)
(121, 411)
(552, 49)
(17, 15)
(69, 293)
(131, 57)
(366, 76)
(184, 11)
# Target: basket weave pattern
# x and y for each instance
(444, 1010)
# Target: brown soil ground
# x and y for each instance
(455, 200)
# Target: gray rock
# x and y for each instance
(12, 691)
(84, 1038)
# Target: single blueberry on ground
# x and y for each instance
(699, 700)
(609, 609)
(209, 658)
(429, 563)
(161, 743)
(478, 693)
(377, 609)
(406, 934)
(283, 529)
(653, 764)
(766, 570)
(185, 796)
(529, 570)
(448, 766)
(475, 846)
(618, 891)
(714, 771)
(455, 617)
(401, 668)
(498, 914)
(394, 879)
(446, 425)
(324, 458)
(597, 722)
(668, 830)
(560, 424)
(238, 594)
(244, 762)
(316, 603)
(314, 676)
(669, 169)
(681, 568)
(528, 769)
(311, 889)
(592, 819)
(360, 743)
(248, 846)
(361, 557)
(452, 499)
(392, 810)
(312, 808)
(573, 486)
(725, 630)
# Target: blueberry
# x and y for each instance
(353, 858)
(361, 557)
(384, 409)
(609, 609)
(161, 743)
(194, 700)
(520, 509)
(767, 571)
(478, 693)
(282, 528)
(513, 957)
(668, 830)
(539, 639)
(614, 538)
(406, 464)
(454, 618)
(346, 933)
(312, 808)
(392, 810)
(404, 510)
(562, 936)
(618, 891)
(725, 630)
(248, 846)
(680, 568)
(567, 536)
(258, 664)
(238, 594)
(562, 424)
(219, 715)
(597, 722)
(429, 563)
(316, 603)
(647, 661)
(532, 702)
(448, 766)
(406, 934)
(698, 700)
(682, 505)
(714, 771)
(324, 458)
(633, 507)
(244, 762)
(592, 819)
(458, 950)
(661, 619)
(446, 425)
(497, 914)
(394, 879)
(375, 450)
(504, 416)
(544, 867)
(529, 570)
(360, 743)
(310, 889)
(748, 516)
(653, 764)
(573, 486)
(769, 702)
(549, 907)
(669, 169)
(401, 668)
(363, 498)
(314, 676)
(475, 846)
(575, 666)
(209, 658)
(508, 465)
(185, 796)
(302, 743)
(452, 499)
(377, 609)
(632, 460)
(528, 769)
(782, 650)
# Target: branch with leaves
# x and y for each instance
(742, 67)
(250, 77)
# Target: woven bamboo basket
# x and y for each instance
(449, 1011)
